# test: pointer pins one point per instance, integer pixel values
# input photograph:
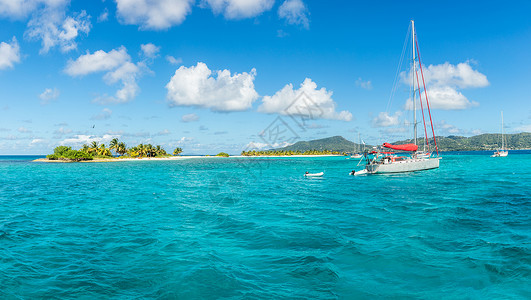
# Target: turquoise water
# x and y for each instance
(255, 228)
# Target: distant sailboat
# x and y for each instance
(502, 152)
(386, 160)
(358, 154)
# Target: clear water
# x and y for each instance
(256, 228)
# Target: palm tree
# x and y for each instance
(121, 149)
(113, 144)
(160, 151)
(85, 148)
(177, 151)
(93, 148)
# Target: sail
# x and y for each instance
(405, 147)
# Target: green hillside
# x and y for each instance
(335, 143)
(486, 141)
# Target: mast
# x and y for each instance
(413, 82)
(503, 136)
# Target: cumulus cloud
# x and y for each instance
(104, 115)
(385, 120)
(295, 13)
(149, 50)
(307, 101)
(446, 98)
(9, 54)
(190, 118)
(48, 95)
(174, 61)
(444, 82)
(53, 28)
(196, 86)
(153, 14)
(238, 9)
(118, 67)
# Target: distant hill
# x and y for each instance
(486, 141)
(335, 143)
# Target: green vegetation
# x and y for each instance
(66, 153)
(222, 154)
(334, 144)
(486, 141)
(100, 151)
(177, 151)
(290, 153)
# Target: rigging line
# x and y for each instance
(395, 82)
(422, 110)
(426, 93)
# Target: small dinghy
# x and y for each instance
(314, 174)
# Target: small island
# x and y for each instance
(116, 151)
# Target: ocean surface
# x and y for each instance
(255, 228)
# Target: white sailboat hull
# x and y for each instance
(408, 165)
(500, 154)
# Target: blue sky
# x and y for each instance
(219, 75)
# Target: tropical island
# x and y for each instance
(331, 146)
(116, 150)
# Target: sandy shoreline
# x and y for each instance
(173, 158)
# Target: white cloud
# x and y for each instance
(445, 128)
(62, 131)
(104, 16)
(49, 22)
(49, 94)
(306, 101)
(99, 61)
(23, 130)
(9, 54)
(153, 14)
(385, 120)
(295, 13)
(54, 29)
(81, 139)
(190, 118)
(185, 140)
(37, 141)
(261, 146)
(239, 9)
(443, 83)
(117, 64)
(460, 76)
(364, 84)
(524, 128)
(195, 86)
(164, 132)
(174, 61)
(150, 50)
(445, 98)
(104, 115)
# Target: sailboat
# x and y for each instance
(502, 152)
(386, 159)
(358, 154)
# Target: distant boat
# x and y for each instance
(502, 152)
(358, 154)
(385, 160)
(314, 174)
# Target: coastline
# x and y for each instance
(97, 160)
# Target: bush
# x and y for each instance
(60, 150)
(52, 157)
(222, 154)
(77, 155)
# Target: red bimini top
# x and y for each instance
(405, 147)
